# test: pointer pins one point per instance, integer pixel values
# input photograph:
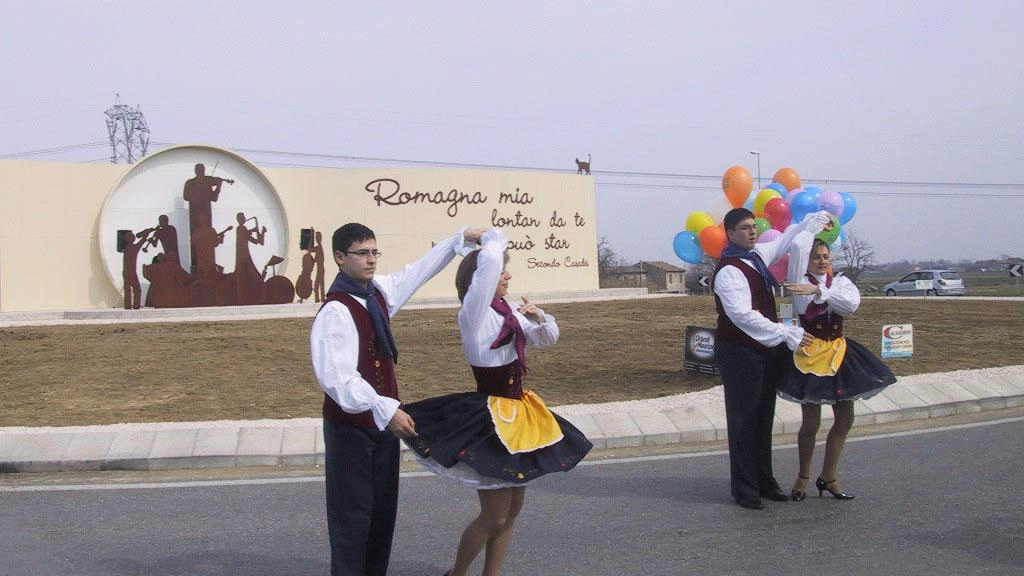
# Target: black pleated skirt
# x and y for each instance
(458, 440)
(861, 376)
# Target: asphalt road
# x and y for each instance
(940, 500)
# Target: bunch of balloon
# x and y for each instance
(786, 202)
(775, 207)
(704, 233)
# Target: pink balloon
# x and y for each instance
(776, 211)
(768, 236)
(780, 268)
(832, 202)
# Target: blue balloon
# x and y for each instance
(801, 205)
(749, 204)
(813, 192)
(849, 207)
(687, 246)
(778, 188)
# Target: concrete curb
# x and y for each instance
(682, 419)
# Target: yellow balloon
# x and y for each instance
(763, 197)
(698, 221)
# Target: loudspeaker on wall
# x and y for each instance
(120, 239)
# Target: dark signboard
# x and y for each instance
(700, 350)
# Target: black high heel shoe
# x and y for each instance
(796, 495)
(822, 486)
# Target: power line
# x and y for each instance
(639, 174)
(55, 150)
(703, 182)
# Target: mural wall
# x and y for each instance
(201, 226)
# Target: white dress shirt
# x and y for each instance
(732, 289)
(334, 340)
(843, 297)
(480, 324)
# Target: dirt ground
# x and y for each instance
(616, 350)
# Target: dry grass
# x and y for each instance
(617, 350)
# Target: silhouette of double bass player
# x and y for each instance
(309, 283)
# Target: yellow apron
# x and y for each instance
(821, 357)
(523, 425)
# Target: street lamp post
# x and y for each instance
(758, 154)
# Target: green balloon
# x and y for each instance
(762, 225)
(829, 236)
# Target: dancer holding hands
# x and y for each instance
(832, 369)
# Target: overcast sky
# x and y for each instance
(914, 106)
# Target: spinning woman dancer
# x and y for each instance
(502, 436)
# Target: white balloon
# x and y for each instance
(719, 206)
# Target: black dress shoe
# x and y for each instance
(798, 495)
(752, 503)
(823, 486)
(775, 495)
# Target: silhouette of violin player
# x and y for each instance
(248, 279)
(201, 192)
(129, 271)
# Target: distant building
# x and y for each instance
(624, 277)
(655, 275)
(663, 277)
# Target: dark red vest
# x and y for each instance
(826, 326)
(761, 298)
(506, 381)
(375, 367)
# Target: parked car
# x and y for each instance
(935, 283)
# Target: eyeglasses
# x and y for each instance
(365, 253)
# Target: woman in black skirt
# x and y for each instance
(501, 436)
(832, 370)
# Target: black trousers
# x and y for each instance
(362, 498)
(749, 378)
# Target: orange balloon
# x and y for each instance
(787, 177)
(713, 241)
(737, 183)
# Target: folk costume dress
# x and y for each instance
(501, 435)
(833, 368)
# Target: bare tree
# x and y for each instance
(606, 257)
(854, 255)
(696, 271)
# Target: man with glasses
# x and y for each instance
(354, 356)
(749, 349)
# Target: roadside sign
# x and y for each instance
(704, 281)
(699, 353)
(1017, 270)
(897, 340)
